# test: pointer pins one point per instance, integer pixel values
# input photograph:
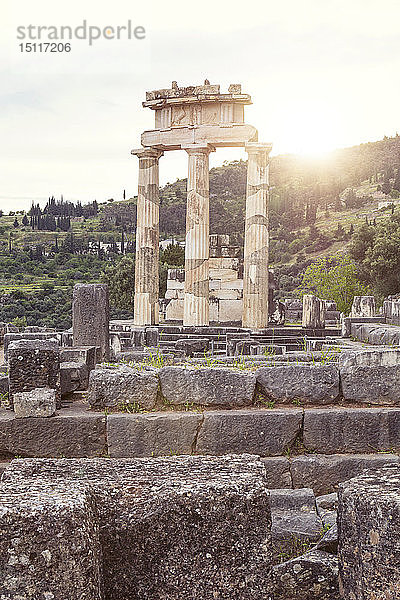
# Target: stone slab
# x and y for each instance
(312, 576)
(323, 473)
(352, 430)
(263, 432)
(308, 384)
(152, 434)
(206, 387)
(73, 433)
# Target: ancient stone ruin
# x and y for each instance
(200, 119)
(246, 458)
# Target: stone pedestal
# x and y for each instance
(196, 303)
(147, 238)
(91, 317)
(314, 311)
(255, 278)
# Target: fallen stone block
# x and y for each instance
(323, 473)
(73, 376)
(207, 387)
(352, 430)
(309, 384)
(369, 535)
(34, 364)
(72, 434)
(152, 434)
(49, 541)
(192, 527)
(40, 402)
(313, 576)
(263, 432)
(123, 387)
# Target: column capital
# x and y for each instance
(258, 148)
(147, 152)
(199, 148)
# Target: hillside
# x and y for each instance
(316, 208)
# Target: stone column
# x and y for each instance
(91, 317)
(147, 238)
(314, 312)
(255, 277)
(196, 303)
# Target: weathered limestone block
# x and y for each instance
(363, 306)
(91, 317)
(189, 346)
(313, 312)
(86, 354)
(369, 536)
(74, 376)
(263, 432)
(40, 402)
(49, 541)
(206, 387)
(123, 387)
(323, 473)
(345, 430)
(371, 376)
(311, 384)
(34, 364)
(312, 576)
(194, 527)
(73, 433)
(152, 434)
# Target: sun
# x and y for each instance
(310, 130)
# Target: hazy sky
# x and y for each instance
(322, 74)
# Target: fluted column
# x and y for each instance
(147, 238)
(196, 304)
(255, 277)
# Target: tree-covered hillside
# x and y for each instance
(317, 208)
